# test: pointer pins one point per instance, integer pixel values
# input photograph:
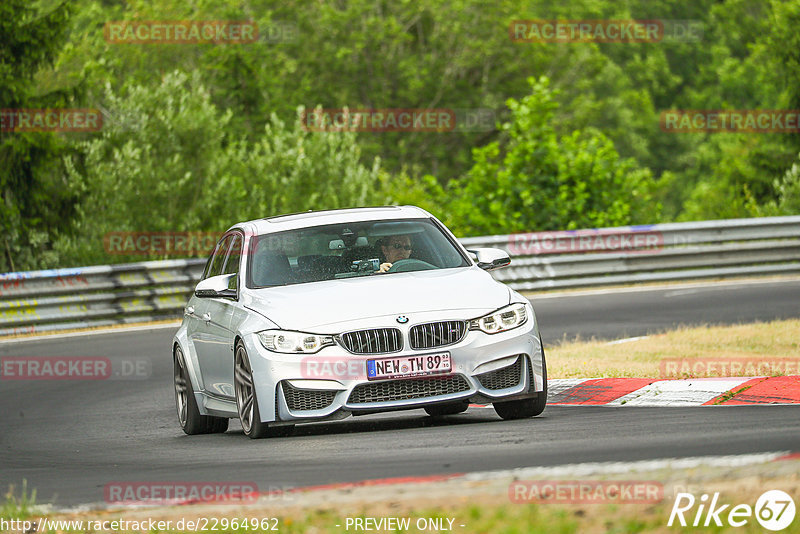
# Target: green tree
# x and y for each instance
(750, 65)
(602, 110)
(403, 54)
(788, 188)
(35, 205)
(536, 179)
(166, 160)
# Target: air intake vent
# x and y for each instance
(307, 399)
(433, 335)
(531, 381)
(397, 390)
(505, 377)
(375, 341)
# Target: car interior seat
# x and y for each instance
(271, 269)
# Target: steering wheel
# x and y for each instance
(410, 264)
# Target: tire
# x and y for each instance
(247, 401)
(525, 408)
(189, 417)
(451, 408)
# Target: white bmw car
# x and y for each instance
(320, 315)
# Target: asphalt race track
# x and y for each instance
(69, 439)
(626, 313)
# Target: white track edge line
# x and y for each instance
(533, 296)
(101, 330)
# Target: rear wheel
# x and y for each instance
(524, 408)
(451, 408)
(189, 417)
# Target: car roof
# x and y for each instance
(305, 219)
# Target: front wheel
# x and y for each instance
(524, 408)
(189, 417)
(246, 401)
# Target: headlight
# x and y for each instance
(511, 316)
(293, 342)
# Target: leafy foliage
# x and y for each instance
(536, 179)
(33, 202)
(171, 151)
(199, 136)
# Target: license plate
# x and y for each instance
(408, 366)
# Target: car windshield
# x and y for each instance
(372, 248)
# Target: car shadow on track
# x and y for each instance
(390, 422)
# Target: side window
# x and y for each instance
(214, 266)
(232, 263)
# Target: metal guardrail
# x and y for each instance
(59, 299)
(39, 301)
(670, 252)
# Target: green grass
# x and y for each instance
(491, 517)
(21, 507)
(772, 342)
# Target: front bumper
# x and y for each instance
(332, 384)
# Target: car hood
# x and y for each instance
(317, 304)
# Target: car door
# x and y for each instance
(216, 360)
(196, 306)
(212, 335)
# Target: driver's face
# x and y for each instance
(397, 247)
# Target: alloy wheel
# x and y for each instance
(244, 389)
(181, 389)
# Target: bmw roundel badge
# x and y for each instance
(402, 319)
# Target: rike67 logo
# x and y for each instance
(774, 510)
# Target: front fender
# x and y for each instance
(181, 339)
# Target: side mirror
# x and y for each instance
(217, 286)
(490, 258)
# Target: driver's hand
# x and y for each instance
(385, 267)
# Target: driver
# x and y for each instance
(394, 248)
